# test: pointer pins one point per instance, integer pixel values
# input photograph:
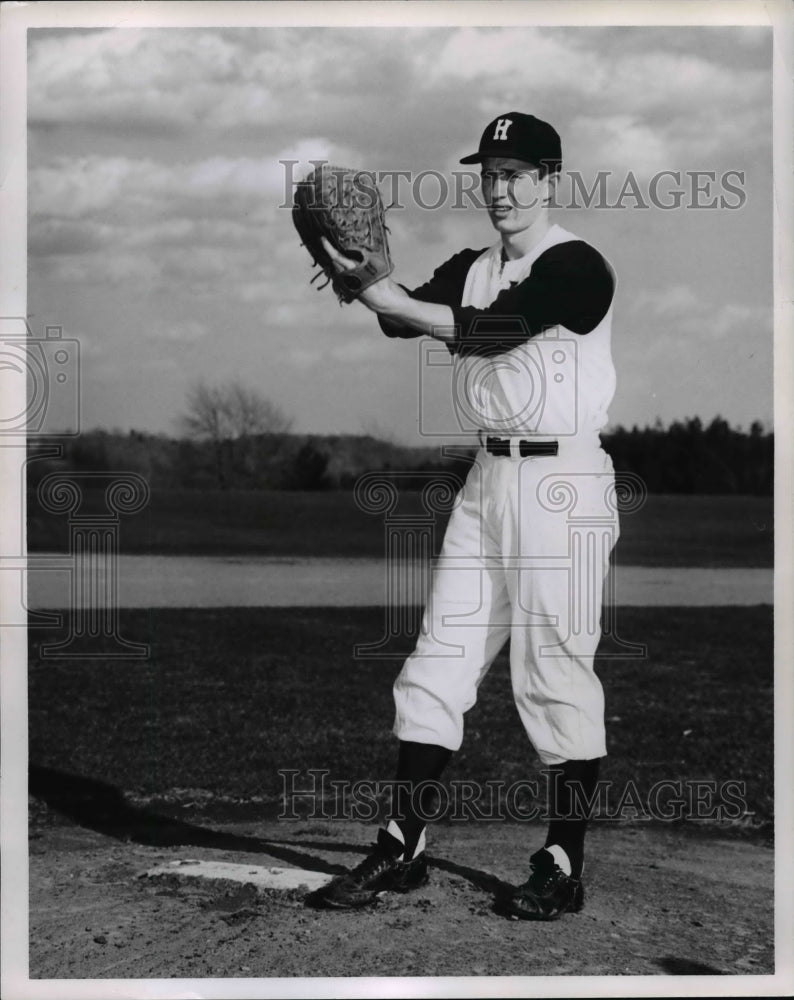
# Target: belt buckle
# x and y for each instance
(543, 448)
(507, 447)
(498, 446)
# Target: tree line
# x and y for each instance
(689, 456)
(686, 457)
(232, 438)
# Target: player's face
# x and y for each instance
(514, 194)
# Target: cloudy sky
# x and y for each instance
(158, 237)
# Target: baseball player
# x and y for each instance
(527, 547)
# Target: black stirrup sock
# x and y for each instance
(411, 805)
(568, 807)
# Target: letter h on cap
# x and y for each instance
(502, 125)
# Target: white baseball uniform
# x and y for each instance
(527, 547)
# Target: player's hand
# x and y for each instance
(380, 295)
(341, 262)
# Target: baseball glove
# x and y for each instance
(345, 207)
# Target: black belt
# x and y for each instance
(501, 446)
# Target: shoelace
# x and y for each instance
(541, 882)
(377, 862)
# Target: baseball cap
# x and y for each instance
(521, 137)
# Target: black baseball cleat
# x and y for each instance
(381, 871)
(547, 893)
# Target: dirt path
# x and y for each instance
(659, 902)
(236, 581)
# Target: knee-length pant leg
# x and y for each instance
(524, 557)
(466, 622)
(561, 528)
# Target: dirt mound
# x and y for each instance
(658, 902)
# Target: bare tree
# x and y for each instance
(251, 413)
(205, 416)
(227, 415)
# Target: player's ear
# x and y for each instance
(550, 189)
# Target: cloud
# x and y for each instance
(214, 227)
(361, 349)
(687, 313)
(198, 226)
(188, 331)
(632, 109)
(50, 236)
(186, 78)
(143, 76)
(158, 168)
(77, 187)
(672, 301)
(622, 97)
(738, 317)
(621, 140)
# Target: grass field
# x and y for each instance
(709, 531)
(230, 696)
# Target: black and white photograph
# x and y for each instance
(396, 492)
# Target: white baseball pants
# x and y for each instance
(524, 557)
